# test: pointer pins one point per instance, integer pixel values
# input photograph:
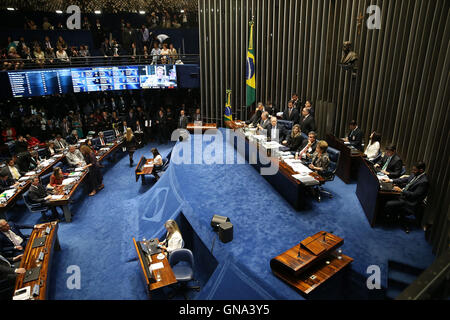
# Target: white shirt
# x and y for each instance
(14, 238)
(175, 242)
(273, 134)
(372, 150)
(158, 160)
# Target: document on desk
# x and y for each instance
(148, 166)
(79, 169)
(156, 266)
(57, 197)
(68, 181)
(306, 179)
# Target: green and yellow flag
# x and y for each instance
(228, 116)
(250, 70)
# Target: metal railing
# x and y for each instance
(74, 62)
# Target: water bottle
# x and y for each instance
(296, 156)
(158, 276)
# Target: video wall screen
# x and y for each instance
(40, 82)
(91, 79)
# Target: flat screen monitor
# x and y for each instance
(158, 76)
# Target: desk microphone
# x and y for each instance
(299, 247)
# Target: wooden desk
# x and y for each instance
(26, 184)
(113, 147)
(140, 171)
(290, 188)
(167, 275)
(347, 169)
(318, 261)
(369, 194)
(191, 127)
(65, 200)
(30, 259)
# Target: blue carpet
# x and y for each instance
(99, 240)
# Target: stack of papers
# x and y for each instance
(57, 197)
(306, 179)
(24, 179)
(75, 174)
(8, 193)
(30, 173)
(68, 181)
(148, 166)
(79, 169)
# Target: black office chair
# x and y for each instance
(35, 207)
(182, 264)
(329, 174)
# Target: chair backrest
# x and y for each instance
(403, 171)
(45, 179)
(42, 152)
(33, 207)
(305, 136)
(334, 162)
(179, 255)
(108, 133)
(141, 164)
(286, 124)
(95, 142)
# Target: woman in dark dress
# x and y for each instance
(95, 177)
(130, 142)
(295, 139)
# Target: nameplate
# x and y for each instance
(39, 242)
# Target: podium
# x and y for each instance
(311, 263)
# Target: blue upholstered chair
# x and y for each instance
(330, 173)
(182, 264)
(35, 207)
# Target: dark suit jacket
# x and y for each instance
(71, 139)
(307, 124)
(5, 243)
(6, 171)
(37, 194)
(182, 122)
(395, 166)
(197, 117)
(255, 119)
(5, 184)
(416, 193)
(294, 143)
(355, 138)
(7, 272)
(265, 124)
(281, 132)
(295, 116)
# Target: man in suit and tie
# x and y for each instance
(256, 118)
(12, 170)
(6, 182)
(413, 191)
(265, 122)
(270, 108)
(131, 119)
(101, 140)
(275, 132)
(12, 240)
(38, 195)
(291, 113)
(390, 164)
(183, 121)
(73, 138)
(307, 122)
(197, 116)
(9, 269)
(355, 136)
(296, 102)
(60, 143)
(308, 147)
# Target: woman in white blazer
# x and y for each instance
(173, 240)
(373, 148)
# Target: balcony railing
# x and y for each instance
(76, 62)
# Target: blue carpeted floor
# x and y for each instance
(99, 240)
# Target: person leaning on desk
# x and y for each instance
(390, 164)
(413, 190)
(173, 240)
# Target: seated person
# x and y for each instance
(308, 147)
(60, 143)
(9, 269)
(265, 122)
(57, 177)
(274, 131)
(355, 136)
(173, 240)
(50, 151)
(32, 141)
(256, 118)
(295, 139)
(157, 162)
(413, 190)
(6, 182)
(12, 241)
(35, 160)
(12, 170)
(101, 143)
(38, 194)
(373, 147)
(75, 158)
(73, 138)
(390, 164)
(320, 159)
(21, 145)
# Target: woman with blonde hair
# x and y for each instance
(130, 142)
(295, 139)
(173, 240)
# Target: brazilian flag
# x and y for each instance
(228, 116)
(250, 70)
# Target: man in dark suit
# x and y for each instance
(308, 147)
(21, 145)
(9, 269)
(291, 113)
(131, 119)
(413, 190)
(197, 116)
(296, 102)
(38, 194)
(182, 121)
(73, 138)
(355, 136)
(256, 117)
(6, 182)
(307, 122)
(275, 132)
(161, 127)
(390, 164)
(12, 170)
(12, 240)
(270, 108)
(264, 124)
(60, 143)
